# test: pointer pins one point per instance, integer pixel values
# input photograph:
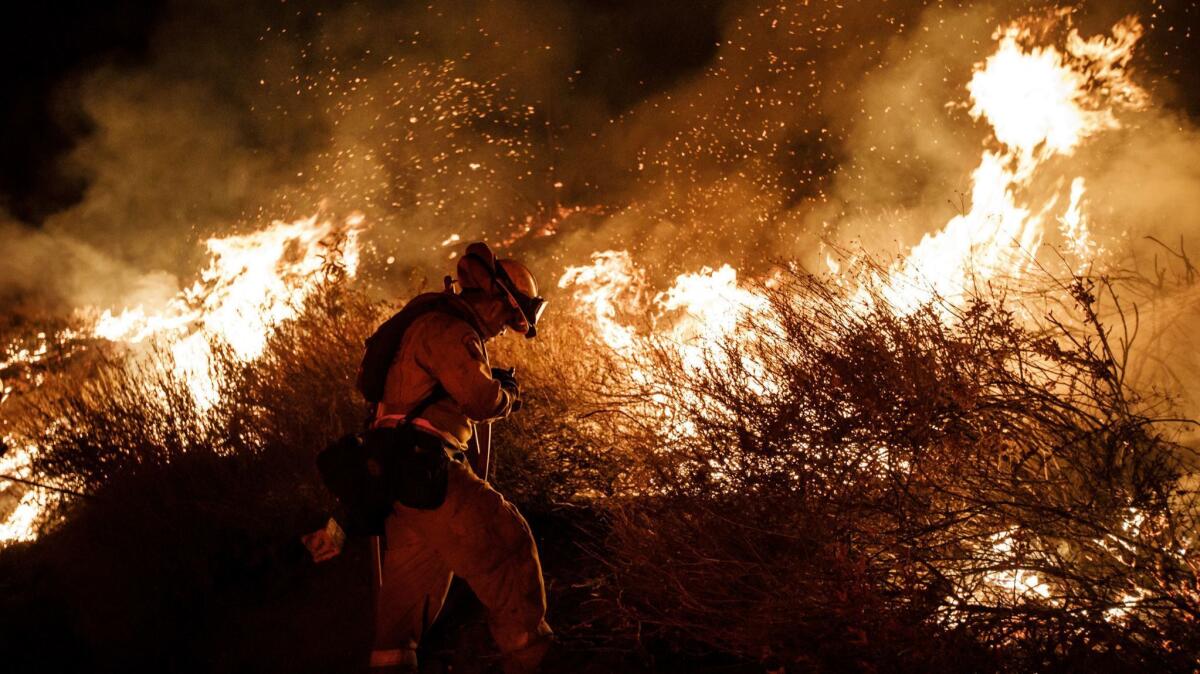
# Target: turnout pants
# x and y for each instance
(480, 536)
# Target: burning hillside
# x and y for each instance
(1040, 103)
(807, 450)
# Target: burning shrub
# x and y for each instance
(192, 504)
(833, 483)
(846, 485)
(135, 413)
(564, 445)
(188, 533)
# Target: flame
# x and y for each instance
(692, 321)
(1040, 103)
(1005, 584)
(711, 307)
(697, 314)
(16, 356)
(21, 522)
(1073, 226)
(610, 282)
(1034, 100)
(253, 282)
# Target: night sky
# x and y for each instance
(633, 48)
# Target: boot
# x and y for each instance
(396, 661)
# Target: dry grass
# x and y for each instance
(131, 413)
(184, 556)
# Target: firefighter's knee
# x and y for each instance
(502, 537)
(482, 514)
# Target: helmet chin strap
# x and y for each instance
(516, 318)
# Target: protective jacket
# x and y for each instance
(475, 533)
(440, 349)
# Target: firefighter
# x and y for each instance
(475, 533)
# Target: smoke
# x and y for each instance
(907, 162)
(1144, 194)
(44, 268)
(432, 120)
(689, 133)
(636, 127)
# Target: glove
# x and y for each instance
(507, 378)
(326, 543)
(508, 381)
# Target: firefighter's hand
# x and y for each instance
(326, 543)
(506, 376)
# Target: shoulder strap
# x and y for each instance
(417, 410)
(385, 342)
(457, 307)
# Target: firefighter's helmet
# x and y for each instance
(522, 290)
(512, 279)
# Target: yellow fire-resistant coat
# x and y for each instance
(475, 533)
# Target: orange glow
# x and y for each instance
(1040, 103)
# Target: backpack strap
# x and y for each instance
(425, 403)
(383, 345)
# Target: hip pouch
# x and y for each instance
(368, 472)
(412, 465)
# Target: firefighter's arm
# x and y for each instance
(457, 361)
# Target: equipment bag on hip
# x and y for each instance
(368, 472)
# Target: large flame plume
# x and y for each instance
(1041, 104)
